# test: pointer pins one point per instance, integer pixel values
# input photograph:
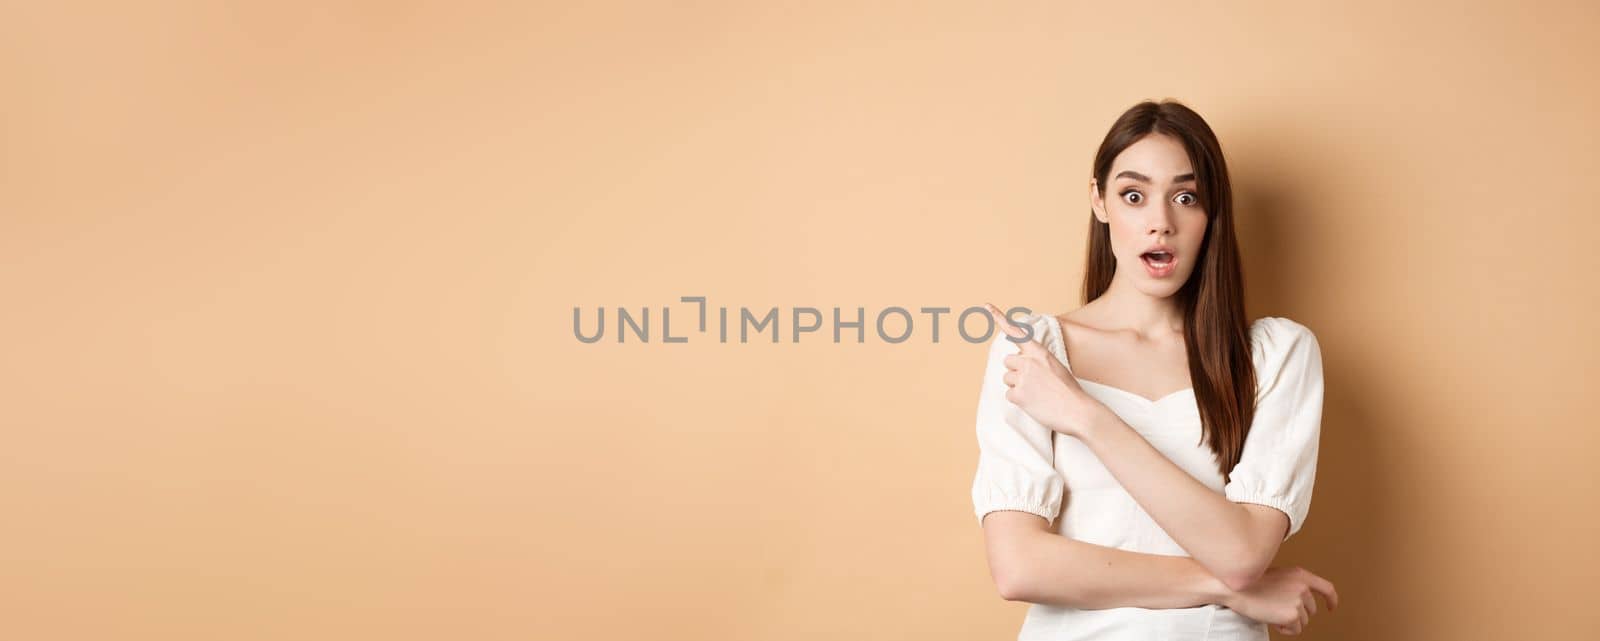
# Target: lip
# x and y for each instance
(1158, 247)
(1160, 272)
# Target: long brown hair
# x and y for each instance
(1215, 329)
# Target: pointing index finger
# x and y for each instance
(1004, 323)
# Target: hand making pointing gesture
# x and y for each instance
(1041, 384)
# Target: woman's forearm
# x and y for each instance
(1215, 530)
(1072, 573)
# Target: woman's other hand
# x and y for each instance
(1284, 598)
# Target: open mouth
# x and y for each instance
(1157, 259)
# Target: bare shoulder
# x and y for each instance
(1077, 318)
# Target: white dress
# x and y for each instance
(1025, 466)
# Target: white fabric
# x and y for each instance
(1024, 466)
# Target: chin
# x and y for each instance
(1160, 290)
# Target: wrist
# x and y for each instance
(1096, 422)
(1214, 590)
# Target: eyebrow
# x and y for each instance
(1146, 179)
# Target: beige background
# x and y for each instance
(287, 347)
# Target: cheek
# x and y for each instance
(1194, 232)
(1198, 239)
(1127, 241)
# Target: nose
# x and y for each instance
(1161, 220)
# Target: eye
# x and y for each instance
(1132, 196)
(1193, 199)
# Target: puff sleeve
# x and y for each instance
(1279, 462)
(1016, 466)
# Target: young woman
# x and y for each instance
(1142, 457)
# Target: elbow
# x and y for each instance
(1244, 563)
(1242, 574)
(1011, 587)
(1255, 547)
(1011, 578)
(1239, 581)
(1012, 548)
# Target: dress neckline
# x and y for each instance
(1059, 345)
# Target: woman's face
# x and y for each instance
(1151, 200)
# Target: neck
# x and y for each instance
(1124, 306)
